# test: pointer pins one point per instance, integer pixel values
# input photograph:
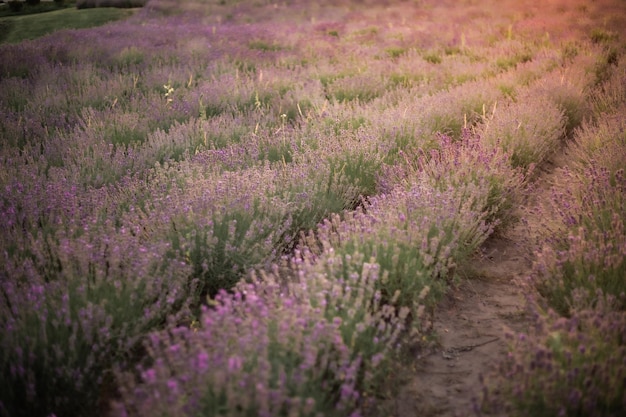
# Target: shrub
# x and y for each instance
(589, 254)
(529, 130)
(72, 309)
(563, 367)
(457, 164)
(585, 251)
(601, 144)
(417, 234)
(267, 349)
(223, 249)
(610, 94)
(32, 2)
(570, 94)
(602, 36)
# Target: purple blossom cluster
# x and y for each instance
(417, 234)
(313, 346)
(564, 367)
(454, 164)
(73, 302)
(588, 252)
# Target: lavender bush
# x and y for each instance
(588, 252)
(599, 145)
(418, 234)
(272, 350)
(571, 361)
(73, 306)
(612, 93)
(586, 249)
(564, 367)
(457, 164)
(530, 129)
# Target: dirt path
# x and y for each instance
(471, 324)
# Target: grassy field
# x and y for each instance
(30, 26)
(246, 208)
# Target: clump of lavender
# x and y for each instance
(529, 129)
(272, 349)
(588, 251)
(611, 94)
(73, 306)
(455, 164)
(568, 89)
(599, 144)
(418, 234)
(564, 367)
(586, 247)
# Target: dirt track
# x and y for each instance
(472, 323)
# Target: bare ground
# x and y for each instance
(470, 325)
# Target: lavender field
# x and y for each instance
(251, 208)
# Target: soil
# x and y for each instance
(471, 324)
(470, 327)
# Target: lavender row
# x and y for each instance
(571, 360)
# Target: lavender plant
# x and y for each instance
(73, 307)
(599, 145)
(563, 366)
(611, 94)
(418, 234)
(270, 350)
(457, 164)
(589, 251)
(151, 161)
(529, 129)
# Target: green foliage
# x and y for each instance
(264, 46)
(224, 250)
(605, 65)
(602, 36)
(508, 91)
(15, 5)
(130, 57)
(405, 80)
(569, 52)
(511, 60)
(340, 126)
(276, 152)
(359, 170)
(395, 52)
(245, 67)
(361, 95)
(433, 58)
(36, 25)
(570, 367)
(6, 25)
